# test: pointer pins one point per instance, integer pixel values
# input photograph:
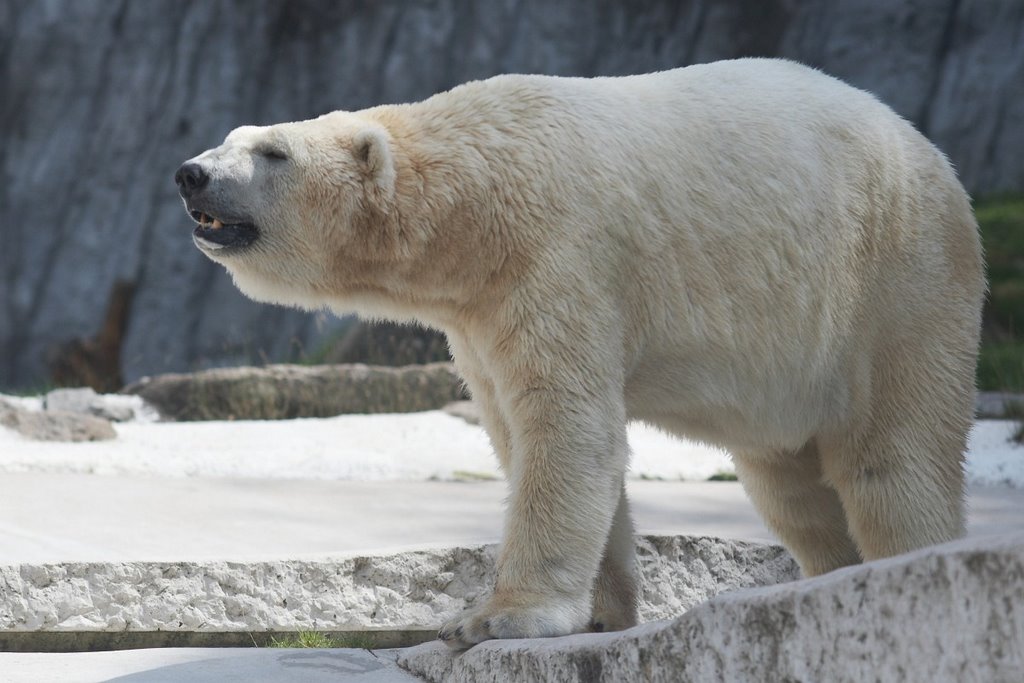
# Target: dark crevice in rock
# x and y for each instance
(83, 158)
(96, 362)
(938, 71)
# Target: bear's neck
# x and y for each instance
(448, 190)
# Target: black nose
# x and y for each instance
(190, 178)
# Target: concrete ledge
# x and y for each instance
(946, 613)
(96, 641)
(413, 591)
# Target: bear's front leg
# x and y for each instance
(569, 455)
(615, 590)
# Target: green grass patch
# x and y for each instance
(1001, 366)
(466, 475)
(723, 476)
(30, 391)
(1001, 220)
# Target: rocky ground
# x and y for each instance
(211, 533)
(946, 613)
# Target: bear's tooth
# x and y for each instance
(217, 224)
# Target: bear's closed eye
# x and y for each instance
(272, 153)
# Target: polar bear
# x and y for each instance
(748, 253)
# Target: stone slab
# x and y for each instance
(86, 401)
(405, 591)
(947, 613)
(55, 425)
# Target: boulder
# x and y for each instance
(947, 613)
(279, 392)
(88, 402)
(55, 425)
(381, 342)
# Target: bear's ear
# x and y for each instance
(371, 148)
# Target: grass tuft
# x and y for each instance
(316, 639)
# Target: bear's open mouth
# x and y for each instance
(213, 233)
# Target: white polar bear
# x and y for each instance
(748, 253)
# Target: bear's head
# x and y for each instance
(296, 212)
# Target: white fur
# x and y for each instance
(749, 252)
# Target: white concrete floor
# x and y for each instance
(76, 517)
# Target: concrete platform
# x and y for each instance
(123, 518)
(204, 665)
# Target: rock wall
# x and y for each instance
(100, 100)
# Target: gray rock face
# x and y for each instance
(947, 613)
(417, 590)
(102, 100)
(55, 425)
(281, 392)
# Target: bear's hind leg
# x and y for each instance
(615, 590)
(796, 503)
(901, 487)
(898, 464)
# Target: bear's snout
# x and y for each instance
(190, 179)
